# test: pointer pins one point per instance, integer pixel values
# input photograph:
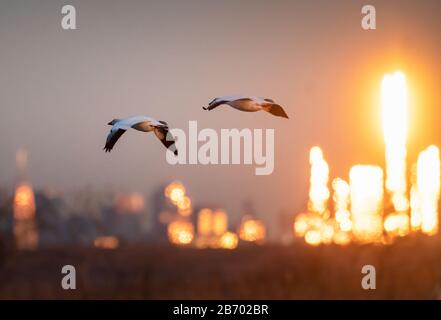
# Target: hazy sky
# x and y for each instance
(167, 59)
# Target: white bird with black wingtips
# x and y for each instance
(143, 124)
(248, 104)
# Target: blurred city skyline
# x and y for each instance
(167, 59)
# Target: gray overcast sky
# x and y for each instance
(166, 59)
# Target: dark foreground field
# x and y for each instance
(408, 269)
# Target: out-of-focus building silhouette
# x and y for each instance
(130, 216)
(162, 214)
(284, 227)
(52, 229)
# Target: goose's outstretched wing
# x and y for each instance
(166, 138)
(112, 138)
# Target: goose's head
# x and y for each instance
(213, 103)
(111, 123)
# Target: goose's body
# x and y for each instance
(143, 124)
(248, 104)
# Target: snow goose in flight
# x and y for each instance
(248, 104)
(140, 123)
